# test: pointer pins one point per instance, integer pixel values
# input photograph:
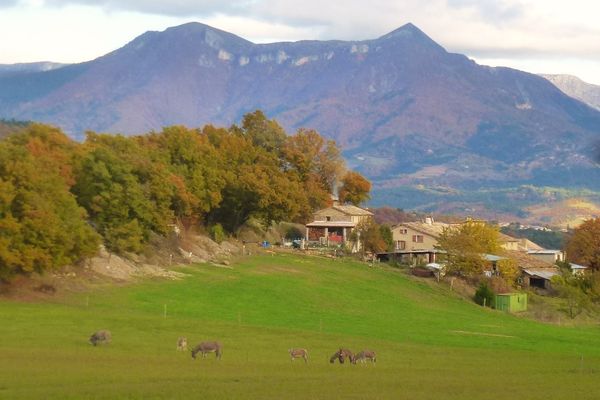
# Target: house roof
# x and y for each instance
(433, 229)
(505, 238)
(544, 273)
(352, 210)
(527, 244)
(523, 244)
(544, 251)
(492, 257)
(524, 260)
(577, 266)
(331, 224)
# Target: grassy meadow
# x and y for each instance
(431, 343)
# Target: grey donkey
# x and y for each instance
(100, 337)
(208, 347)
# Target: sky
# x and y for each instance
(539, 36)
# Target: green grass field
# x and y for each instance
(431, 343)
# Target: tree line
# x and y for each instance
(59, 199)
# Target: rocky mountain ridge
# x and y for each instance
(407, 113)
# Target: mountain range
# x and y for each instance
(576, 88)
(431, 129)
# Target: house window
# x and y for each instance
(400, 245)
(328, 218)
(418, 238)
(403, 231)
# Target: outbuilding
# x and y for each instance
(511, 302)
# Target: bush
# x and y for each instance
(293, 233)
(484, 295)
(217, 233)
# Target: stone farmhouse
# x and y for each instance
(416, 243)
(333, 225)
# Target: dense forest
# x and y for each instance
(59, 199)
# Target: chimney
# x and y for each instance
(335, 200)
(429, 220)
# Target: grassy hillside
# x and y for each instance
(430, 342)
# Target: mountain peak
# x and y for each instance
(411, 32)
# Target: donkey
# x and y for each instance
(100, 337)
(298, 353)
(364, 356)
(208, 347)
(182, 343)
(341, 355)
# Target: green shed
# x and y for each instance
(511, 302)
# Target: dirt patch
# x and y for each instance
(107, 268)
(49, 286)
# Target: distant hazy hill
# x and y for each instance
(432, 129)
(29, 67)
(576, 88)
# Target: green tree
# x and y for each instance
(569, 288)
(126, 196)
(371, 238)
(387, 236)
(484, 296)
(466, 244)
(263, 132)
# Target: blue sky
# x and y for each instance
(548, 36)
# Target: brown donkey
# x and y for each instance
(341, 355)
(364, 356)
(182, 343)
(298, 353)
(208, 347)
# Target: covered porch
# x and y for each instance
(329, 233)
(411, 257)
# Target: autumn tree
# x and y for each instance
(583, 247)
(509, 270)
(255, 185)
(371, 236)
(355, 189)
(41, 225)
(194, 164)
(318, 164)
(466, 244)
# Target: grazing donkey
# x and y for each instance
(299, 353)
(208, 347)
(364, 356)
(100, 337)
(182, 343)
(341, 355)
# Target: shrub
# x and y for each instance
(217, 233)
(484, 295)
(499, 285)
(293, 233)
